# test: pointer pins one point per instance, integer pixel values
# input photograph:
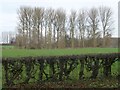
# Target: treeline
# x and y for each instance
(49, 28)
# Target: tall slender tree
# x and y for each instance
(72, 22)
(61, 19)
(50, 17)
(94, 22)
(106, 21)
(82, 21)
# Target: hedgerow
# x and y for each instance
(55, 68)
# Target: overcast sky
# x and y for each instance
(8, 9)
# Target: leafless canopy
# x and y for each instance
(49, 28)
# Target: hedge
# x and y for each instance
(59, 67)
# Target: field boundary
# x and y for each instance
(56, 68)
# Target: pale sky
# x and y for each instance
(8, 9)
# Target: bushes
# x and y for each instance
(55, 68)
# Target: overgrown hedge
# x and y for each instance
(55, 68)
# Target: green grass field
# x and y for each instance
(14, 52)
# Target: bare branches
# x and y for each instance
(82, 20)
(93, 22)
(106, 21)
(49, 28)
(72, 21)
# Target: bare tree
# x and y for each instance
(54, 28)
(50, 18)
(72, 22)
(22, 40)
(61, 19)
(38, 24)
(45, 28)
(82, 21)
(106, 21)
(28, 17)
(41, 25)
(93, 22)
(40, 28)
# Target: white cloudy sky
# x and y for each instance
(8, 9)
